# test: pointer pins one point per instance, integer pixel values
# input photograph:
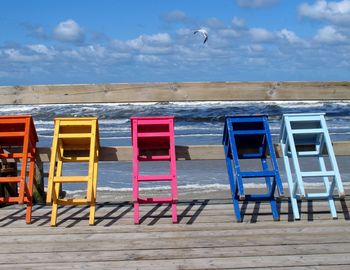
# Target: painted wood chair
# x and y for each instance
(248, 137)
(74, 140)
(306, 136)
(18, 140)
(153, 140)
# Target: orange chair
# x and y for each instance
(18, 140)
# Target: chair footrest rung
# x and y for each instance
(318, 174)
(74, 135)
(258, 174)
(13, 200)
(154, 158)
(308, 131)
(153, 134)
(12, 134)
(308, 153)
(70, 179)
(144, 178)
(156, 200)
(73, 201)
(10, 179)
(249, 132)
(315, 196)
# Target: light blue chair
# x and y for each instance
(306, 135)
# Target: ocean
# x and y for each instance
(195, 123)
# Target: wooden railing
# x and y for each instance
(168, 92)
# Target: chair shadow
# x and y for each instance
(165, 213)
(46, 218)
(345, 209)
(202, 204)
(98, 219)
(20, 214)
(244, 209)
(255, 213)
(116, 208)
(310, 210)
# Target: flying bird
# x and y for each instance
(203, 32)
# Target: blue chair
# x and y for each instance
(249, 137)
(306, 135)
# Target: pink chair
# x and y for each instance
(153, 140)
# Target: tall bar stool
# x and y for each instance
(74, 140)
(248, 137)
(153, 140)
(306, 136)
(18, 140)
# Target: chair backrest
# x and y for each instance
(303, 123)
(249, 132)
(13, 130)
(153, 132)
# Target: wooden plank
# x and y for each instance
(309, 233)
(183, 152)
(133, 241)
(169, 254)
(41, 231)
(199, 263)
(167, 92)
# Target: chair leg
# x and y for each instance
(55, 196)
(30, 190)
(174, 212)
(136, 213)
(54, 149)
(237, 208)
(275, 213)
(92, 213)
(94, 193)
(22, 183)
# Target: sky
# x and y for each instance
(126, 41)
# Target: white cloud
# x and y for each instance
(184, 31)
(255, 3)
(228, 33)
(159, 39)
(261, 35)
(42, 50)
(255, 48)
(290, 37)
(330, 35)
(256, 61)
(151, 44)
(335, 12)
(238, 22)
(69, 31)
(215, 23)
(72, 54)
(174, 16)
(93, 51)
(149, 59)
(16, 56)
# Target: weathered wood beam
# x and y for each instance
(184, 152)
(167, 92)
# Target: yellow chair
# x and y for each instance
(74, 140)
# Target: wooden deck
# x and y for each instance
(207, 237)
